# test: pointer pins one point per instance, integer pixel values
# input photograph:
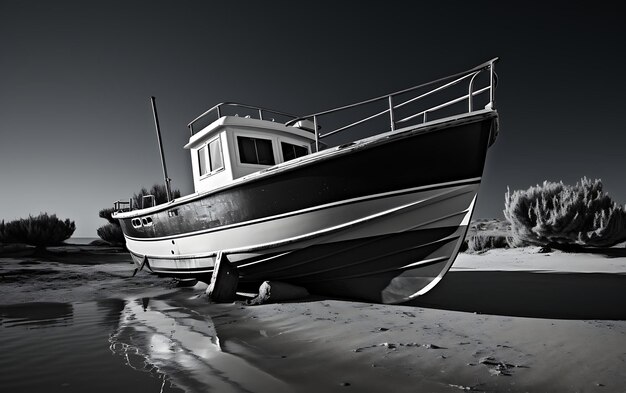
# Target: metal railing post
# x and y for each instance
(260, 114)
(393, 123)
(317, 140)
(470, 94)
(492, 96)
(424, 117)
(219, 113)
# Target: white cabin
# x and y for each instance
(232, 147)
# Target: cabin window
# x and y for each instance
(210, 157)
(215, 155)
(292, 151)
(255, 151)
(202, 161)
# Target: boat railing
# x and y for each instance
(151, 201)
(127, 205)
(221, 109)
(448, 96)
(432, 108)
(123, 205)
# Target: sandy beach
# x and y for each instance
(505, 320)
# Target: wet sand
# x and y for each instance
(506, 320)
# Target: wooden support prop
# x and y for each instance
(223, 285)
(143, 263)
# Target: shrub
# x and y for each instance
(563, 216)
(112, 234)
(41, 231)
(483, 242)
(159, 192)
(107, 213)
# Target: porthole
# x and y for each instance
(146, 221)
(136, 223)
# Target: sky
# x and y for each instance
(76, 126)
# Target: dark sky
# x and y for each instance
(76, 129)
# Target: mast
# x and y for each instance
(158, 132)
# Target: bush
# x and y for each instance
(159, 192)
(107, 213)
(483, 242)
(112, 234)
(563, 216)
(40, 231)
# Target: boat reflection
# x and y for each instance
(161, 338)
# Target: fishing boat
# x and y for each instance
(367, 201)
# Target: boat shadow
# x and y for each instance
(609, 252)
(530, 294)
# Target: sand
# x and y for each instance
(505, 320)
(70, 274)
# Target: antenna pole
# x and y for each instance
(158, 132)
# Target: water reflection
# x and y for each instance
(63, 347)
(110, 311)
(36, 315)
(143, 345)
(155, 336)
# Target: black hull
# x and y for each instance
(406, 160)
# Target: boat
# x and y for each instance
(373, 209)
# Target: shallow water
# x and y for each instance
(184, 345)
(61, 347)
(143, 345)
